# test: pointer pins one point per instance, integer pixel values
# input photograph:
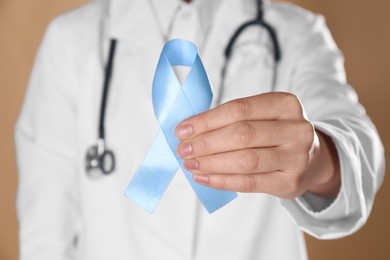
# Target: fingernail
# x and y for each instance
(201, 178)
(184, 131)
(191, 164)
(184, 149)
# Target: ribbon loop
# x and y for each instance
(172, 104)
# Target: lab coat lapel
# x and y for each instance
(132, 23)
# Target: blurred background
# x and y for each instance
(361, 29)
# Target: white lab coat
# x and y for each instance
(64, 214)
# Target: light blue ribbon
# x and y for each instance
(172, 104)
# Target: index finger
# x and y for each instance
(267, 106)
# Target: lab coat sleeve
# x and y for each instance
(45, 143)
(332, 106)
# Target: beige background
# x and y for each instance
(361, 29)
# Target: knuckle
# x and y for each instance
(220, 182)
(305, 134)
(238, 109)
(292, 100)
(292, 104)
(203, 145)
(250, 162)
(247, 184)
(244, 132)
(204, 124)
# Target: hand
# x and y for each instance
(262, 143)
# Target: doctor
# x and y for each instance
(307, 157)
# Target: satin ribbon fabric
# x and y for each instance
(172, 104)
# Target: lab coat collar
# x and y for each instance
(205, 9)
(126, 20)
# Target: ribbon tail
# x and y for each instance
(154, 175)
(212, 199)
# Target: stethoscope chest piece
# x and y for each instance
(99, 161)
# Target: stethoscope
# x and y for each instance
(100, 159)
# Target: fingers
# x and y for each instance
(242, 162)
(251, 161)
(268, 106)
(278, 184)
(237, 136)
(246, 135)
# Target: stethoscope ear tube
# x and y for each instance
(260, 22)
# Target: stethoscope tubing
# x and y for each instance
(238, 32)
(106, 86)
